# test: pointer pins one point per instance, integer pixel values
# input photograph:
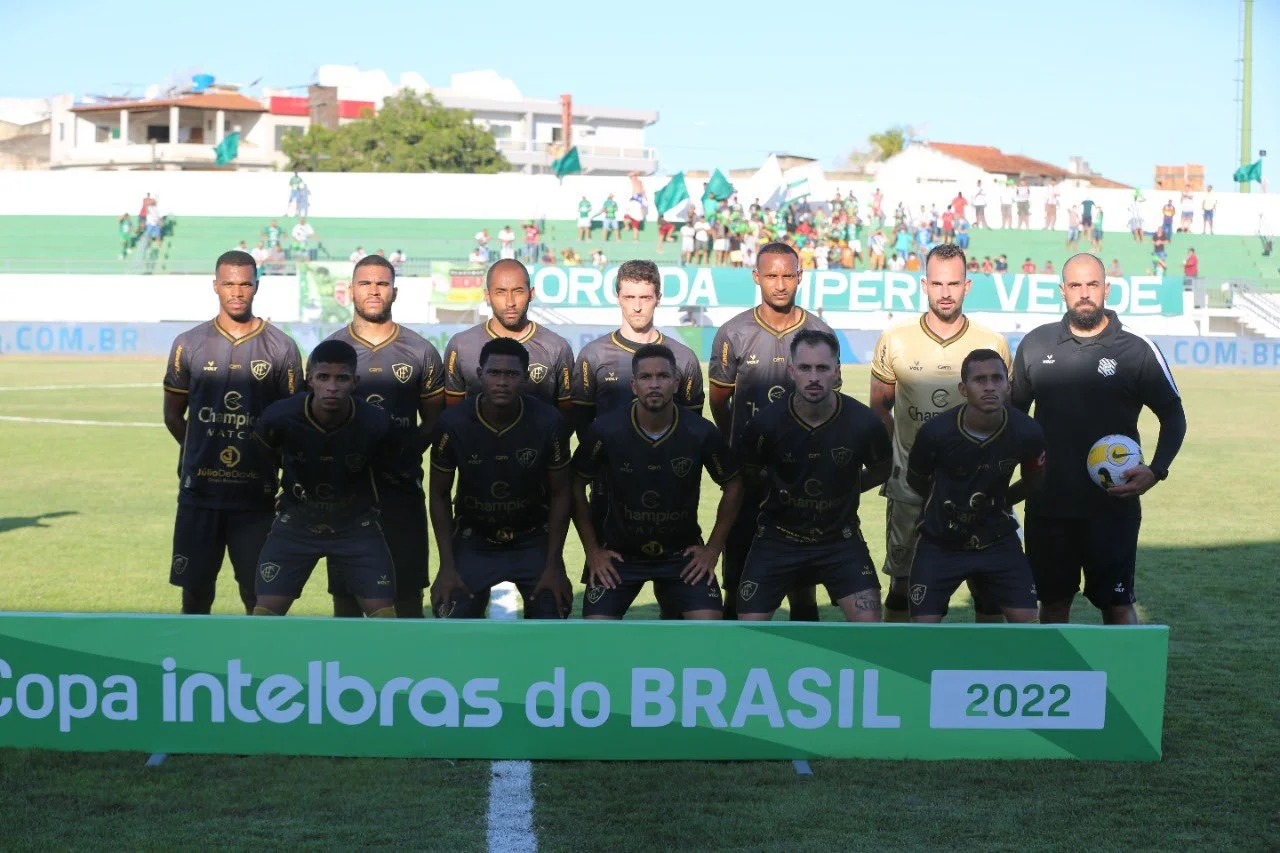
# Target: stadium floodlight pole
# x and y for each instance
(1246, 91)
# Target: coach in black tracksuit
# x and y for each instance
(1089, 377)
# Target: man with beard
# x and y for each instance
(400, 372)
(602, 378)
(817, 451)
(748, 371)
(652, 454)
(508, 291)
(1089, 377)
(219, 379)
(914, 371)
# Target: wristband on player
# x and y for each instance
(1161, 473)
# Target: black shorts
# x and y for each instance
(201, 536)
(1086, 220)
(774, 567)
(481, 565)
(360, 554)
(680, 596)
(404, 527)
(1104, 549)
(737, 545)
(999, 574)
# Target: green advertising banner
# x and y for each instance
(577, 690)
(846, 290)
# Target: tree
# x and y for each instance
(411, 133)
(890, 142)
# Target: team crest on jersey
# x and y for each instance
(526, 456)
(268, 571)
(1107, 366)
(230, 457)
(842, 456)
(179, 564)
(681, 465)
(595, 593)
(918, 592)
(537, 372)
(375, 400)
(748, 589)
(402, 372)
(355, 461)
(259, 368)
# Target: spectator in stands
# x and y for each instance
(1190, 270)
(980, 207)
(1051, 208)
(1002, 263)
(1048, 269)
(294, 207)
(599, 259)
(853, 246)
(506, 243)
(1167, 212)
(913, 262)
(478, 257)
(1114, 270)
(548, 256)
(357, 254)
(276, 260)
(959, 204)
(665, 230)
(806, 256)
(610, 211)
(949, 225)
(483, 249)
(260, 253)
(1006, 204)
(720, 242)
(1188, 211)
(902, 242)
(634, 216)
(877, 207)
(1095, 236)
(1023, 196)
(1207, 207)
(1159, 249)
(242, 246)
(1086, 215)
(482, 239)
(147, 202)
(924, 239)
(897, 263)
(878, 243)
(570, 257)
(272, 233)
(397, 261)
(962, 233)
(1028, 267)
(1073, 227)
(972, 266)
(750, 246)
(125, 227)
(1135, 221)
(987, 267)
(584, 219)
(303, 234)
(701, 242)
(532, 237)
(687, 234)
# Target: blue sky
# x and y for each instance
(1125, 84)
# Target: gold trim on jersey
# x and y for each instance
(262, 325)
(172, 390)
(946, 342)
(791, 408)
(493, 429)
(351, 414)
(617, 341)
(960, 410)
(755, 313)
(667, 433)
(368, 344)
(533, 327)
(430, 394)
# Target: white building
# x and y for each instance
(962, 166)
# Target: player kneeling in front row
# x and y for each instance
(962, 462)
(811, 447)
(510, 454)
(651, 455)
(328, 441)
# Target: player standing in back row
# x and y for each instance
(220, 377)
(914, 373)
(748, 371)
(1089, 377)
(400, 372)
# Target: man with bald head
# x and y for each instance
(1089, 377)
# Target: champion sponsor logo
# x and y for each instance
(776, 393)
(941, 398)
(652, 549)
(375, 400)
(232, 400)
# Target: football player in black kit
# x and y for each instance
(810, 449)
(510, 454)
(961, 462)
(401, 372)
(220, 377)
(329, 442)
(651, 455)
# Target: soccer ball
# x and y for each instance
(1111, 457)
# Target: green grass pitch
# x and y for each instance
(85, 521)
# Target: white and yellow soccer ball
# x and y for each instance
(1111, 457)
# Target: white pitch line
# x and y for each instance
(65, 422)
(510, 818)
(78, 387)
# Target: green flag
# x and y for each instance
(673, 197)
(718, 189)
(228, 149)
(568, 164)
(1245, 174)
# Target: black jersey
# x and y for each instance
(751, 358)
(967, 505)
(814, 473)
(228, 383)
(652, 483)
(501, 487)
(397, 375)
(328, 473)
(1084, 389)
(550, 362)
(602, 374)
